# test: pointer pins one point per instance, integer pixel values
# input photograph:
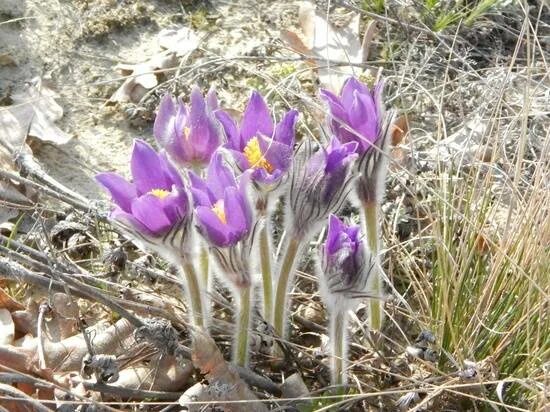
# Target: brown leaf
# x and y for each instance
(35, 112)
(295, 42)
(7, 302)
(399, 130)
(327, 42)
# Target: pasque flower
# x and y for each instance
(256, 143)
(345, 263)
(190, 135)
(346, 266)
(320, 184)
(225, 219)
(155, 202)
(223, 212)
(356, 114)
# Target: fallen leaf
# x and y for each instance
(35, 112)
(322, 42)
(7, 328)
(7, 302)
(400, 128)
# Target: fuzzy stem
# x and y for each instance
(243, 321)
(287, 267)
(194, 292)
(370, 210)
(204, 264)
(338, 342)
(265, 263)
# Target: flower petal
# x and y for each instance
(149, 211)
(176, 205)
(163, 129)
(146, 168)
(220, 176)
(122, 191)
(350, 87)
(237, 213)
(202, 196)
(211, 227)
(256, 118)
(285, 130)
(170, 172)
(212, 99)
(231, 131)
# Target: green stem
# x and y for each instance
(265, 263)
(370, 211)
(204, 264)
(337, 338)
(243, 321)
(194, 292)
(287, 267)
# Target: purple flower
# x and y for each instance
(156, 201)
(346, 263)
(189, 135)
(356, 115)
(257, 143)
(221, 205)
(320, 184)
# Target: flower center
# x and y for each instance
(255, 157)
(186, 133)
(219, 210)
(160, 193)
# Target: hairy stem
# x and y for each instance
(265, 264)
(204, 264)
(243, 321)
(338, 342)
(370, 211)
(287, 267)
(193, 289)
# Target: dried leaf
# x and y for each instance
(7, 328)
(399, 130)
(224, 381)
(142, 77)
(34, 112)
(7, 302)
(327, 42)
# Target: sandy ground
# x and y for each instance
(77, 44)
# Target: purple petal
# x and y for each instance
(202, 196)
(212, 227)
(120, 189)
(363, 119)
(170, 172)
(230, 129)
(240, 159)
(237, 211)
(339, 154)
(334, 104)
(176, 205)
(212, 99)
(129, 220)
(351, 86)
(146, 168)
(277, 154)
(163, 128)
(285, 130)
(149, 211)
(256, 118)
(335, 228)
(220, 176)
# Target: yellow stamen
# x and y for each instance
(160, 193)
(219, 210)
(255, 156)
(186, 132)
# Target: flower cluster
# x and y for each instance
(214, 173)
